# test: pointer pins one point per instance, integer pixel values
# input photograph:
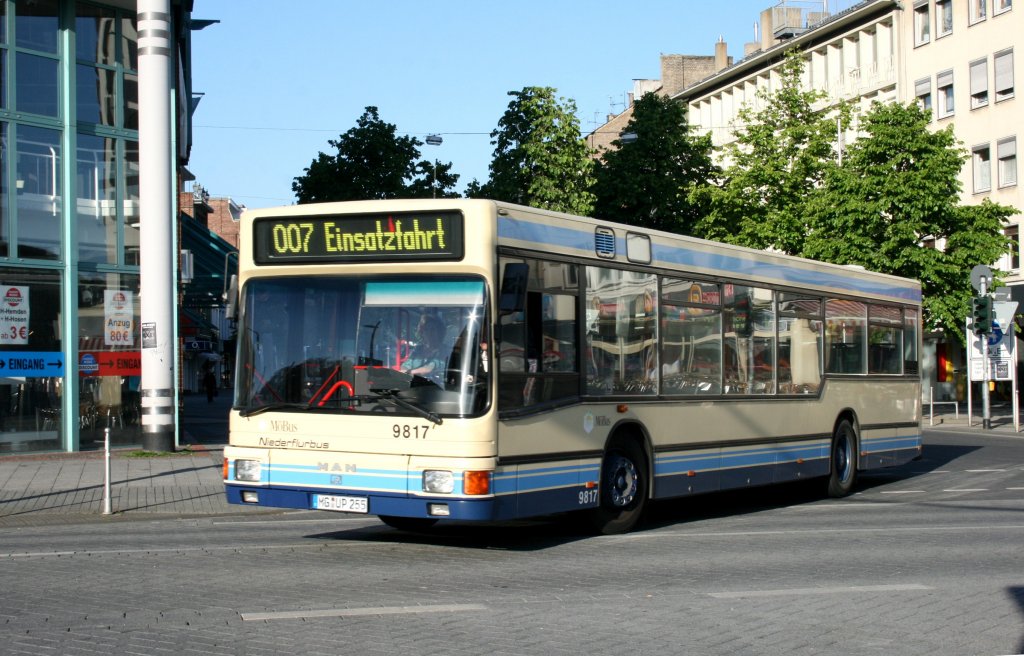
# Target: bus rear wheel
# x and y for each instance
(843, 469)
(411, 524)
(623, 489)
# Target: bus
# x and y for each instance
(473, 360)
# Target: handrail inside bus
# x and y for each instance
(334, 388)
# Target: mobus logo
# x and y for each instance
(284, 426)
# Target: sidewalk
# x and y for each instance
(68, 487)
(63, 488)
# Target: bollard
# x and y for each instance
(106, 478)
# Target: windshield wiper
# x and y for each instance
(390, 395)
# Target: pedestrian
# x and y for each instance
(210, 383)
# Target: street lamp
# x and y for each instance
(434, 140)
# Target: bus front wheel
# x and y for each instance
(843, 470)
(623, 488)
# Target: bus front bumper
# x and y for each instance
(359, 502)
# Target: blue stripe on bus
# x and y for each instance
(675, 463)
(582, 239)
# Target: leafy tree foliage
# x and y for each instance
(540, 158)
(648, 181)
(780, 154)
(896, 186)
(371, 162)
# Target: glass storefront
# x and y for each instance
(57, 170)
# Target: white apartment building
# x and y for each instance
(953, 56)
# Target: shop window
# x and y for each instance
(31, 402)
(109, 346)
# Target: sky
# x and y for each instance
(281, 79)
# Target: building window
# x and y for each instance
(979, 83)
(1003, 6)
(943, 17)
(1006, 152)
(1013, 236)
(944, 85)
(1004, 74)
(978, 10)
(981, 157)
(923, 93)
(922, 23)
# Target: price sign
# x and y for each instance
(13, 314)
(118, 318)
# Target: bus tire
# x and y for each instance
(623, 488)
(843, 464)
(411, 524)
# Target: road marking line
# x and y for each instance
(361, 612)
(903, 492)
(967, 489)
(983, 471)
(819, 591)
(1015, 488)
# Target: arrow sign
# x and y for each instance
(32, 364)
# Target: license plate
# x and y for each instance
(341, 504)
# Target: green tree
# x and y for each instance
(649, 181)
(780, 154)
(897, 186)
(540, 158)
(372, 161)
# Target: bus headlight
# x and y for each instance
(437, 481)
(247, 470)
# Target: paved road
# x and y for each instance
(924, 559)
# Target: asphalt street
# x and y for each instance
(922, 559)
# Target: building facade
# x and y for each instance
(953, 57)
(69, 218)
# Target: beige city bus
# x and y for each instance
(473, 360)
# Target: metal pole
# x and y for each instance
(106, 477)
(156, 184)
(986, 416)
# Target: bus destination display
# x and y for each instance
(358, 238)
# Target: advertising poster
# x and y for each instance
(13, 315)
(118, 317)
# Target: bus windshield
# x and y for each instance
(402, 345)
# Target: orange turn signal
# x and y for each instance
(476, 482)
(225, 469)
(621, 408)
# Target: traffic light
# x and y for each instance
(981, 315)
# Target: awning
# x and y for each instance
(209, 253)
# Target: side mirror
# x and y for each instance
(231, 298)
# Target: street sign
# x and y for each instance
(32, 364)
(979, 274)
